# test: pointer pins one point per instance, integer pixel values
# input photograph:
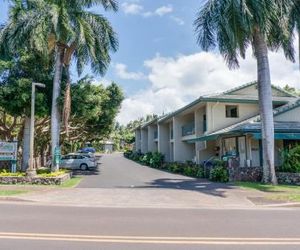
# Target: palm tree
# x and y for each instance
(66, 30)
(295, 22)
(233, 26)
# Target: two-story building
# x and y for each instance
(223, 125)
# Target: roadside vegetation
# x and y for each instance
(38, 43)
(12, 192)
(216, 171)
(291, 160)
(278, 192)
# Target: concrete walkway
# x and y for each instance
(122, 183)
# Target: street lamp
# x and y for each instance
(31, 170)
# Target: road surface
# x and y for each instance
(57, 227)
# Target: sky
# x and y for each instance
(159, 65)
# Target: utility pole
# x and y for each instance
(31, 171)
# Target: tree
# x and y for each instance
(67, 29)
(233, 26)
(291, 90)
(16, 77)
(294, 20)
(94, 109)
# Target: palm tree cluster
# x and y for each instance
(67, 31)
(234, 25)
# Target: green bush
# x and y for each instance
(189, 169)
(48, 173)
(128, 153)
(291, 160)
(219, 174)
(145, 159)
(156, 160)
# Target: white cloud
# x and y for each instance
(105, 82)
(177, 20)
(132, 8)
(121, 71)
(163, 10)
(177, 81)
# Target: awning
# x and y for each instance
(280, 136)
(204, 138)
(256, 135)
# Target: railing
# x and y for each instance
(155, 135)
(188, 129)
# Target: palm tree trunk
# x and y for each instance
(26, 140)
(55, 112)
(299, 49)
(67, 101)
(265, 106)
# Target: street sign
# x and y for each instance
(9, 152)
(57, 156)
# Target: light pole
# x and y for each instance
(31, 170)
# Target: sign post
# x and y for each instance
(31, 171)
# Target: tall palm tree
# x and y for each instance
(295, 22)
(67, 30)
(233, 26)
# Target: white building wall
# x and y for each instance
(164, 140)
(144, 141)
(216, 114)
(291, 116)
(182, 151)
(152, 146)
(137, 140)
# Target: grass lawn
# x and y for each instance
(73, 182)
(279, 192)
(12, 192)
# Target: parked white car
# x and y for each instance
(78, 161)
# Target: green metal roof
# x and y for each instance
(283, 130)
(226, 96)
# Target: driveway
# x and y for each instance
(115, 171)
(119, 182)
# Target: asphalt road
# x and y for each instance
(56, 227)
(114, 171)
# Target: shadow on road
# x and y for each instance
(79, 172)
(198, 185)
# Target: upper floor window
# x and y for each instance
(232, 111)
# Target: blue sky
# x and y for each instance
(159, 65)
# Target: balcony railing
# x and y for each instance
(188, 129)
(155, 135)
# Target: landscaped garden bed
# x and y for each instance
(43, 177)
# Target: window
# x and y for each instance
(230, 147)
(204, 123)
(232, 111)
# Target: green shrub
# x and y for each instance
(200, 172)
(219, 174)
(48, 173)
(291, 160)
(145, 159)
(128, 154)
(156, 160)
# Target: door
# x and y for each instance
(242, 150)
